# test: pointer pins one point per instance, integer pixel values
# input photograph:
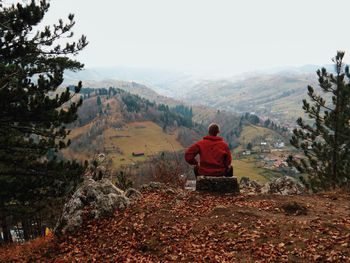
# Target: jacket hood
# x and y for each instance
(212, 138)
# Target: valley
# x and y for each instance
(275, 94)
(126, 124)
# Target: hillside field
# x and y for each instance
(248, 168)
(253, 133)
(146, 137)
(149, 138)
(119, 143)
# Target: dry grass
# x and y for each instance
(146, 137)
(119, 144)
(252, 132)
(247, 168)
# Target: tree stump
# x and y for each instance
(217, 184)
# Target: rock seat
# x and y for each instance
(217, 184)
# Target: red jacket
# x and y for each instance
(215, 156)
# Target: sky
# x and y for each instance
(232, 36)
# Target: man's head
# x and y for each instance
(213, 129)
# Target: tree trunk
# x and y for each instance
(6, 231)
(26, 230)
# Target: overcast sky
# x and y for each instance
(207, 35)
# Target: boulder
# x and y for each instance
(153, 186)
(285, 185)
(190, 185)
(249, 186)
(245, 182)
(102, 198)
(217, 184)
(133, 194)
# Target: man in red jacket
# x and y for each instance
(215, 155)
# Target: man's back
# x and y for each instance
(215, 156)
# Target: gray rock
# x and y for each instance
(245, 182)
(153, 185)
(190, 185)
(109, 203)
(74, 222)
(285, 185)
(217, 184)
(133, 194)
(107, 187)
(101, 197)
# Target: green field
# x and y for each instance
(149, 138)
(253, 132)
(248, 167)
(146, 137)
(119, 144)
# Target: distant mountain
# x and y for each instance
(275, 93)
(202, 114)
(277, 96)
(165, 82)
(305, 69)
(132, 87)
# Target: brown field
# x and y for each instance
(119, 144)
(252, 132)
(146, 137)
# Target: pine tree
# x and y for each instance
(249, 146)
(33, 109)
(98, 101)
(324, 139)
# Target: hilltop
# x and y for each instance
(200, 113)
(275, 93)
(119, 124)
(174, 225)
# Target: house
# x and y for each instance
(277, 163)
(279, 145)
(138, 154)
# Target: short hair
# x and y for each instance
(213, 129)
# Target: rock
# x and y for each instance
(249, 187)
(190, 185)
(101, 197)
(285, 185)
(245, 182)
(153, 185)
(217, 184)
(133, 194)
(106, 186)
(170, 191)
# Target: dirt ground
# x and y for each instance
(184, 226)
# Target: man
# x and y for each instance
(215, 155)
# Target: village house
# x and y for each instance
(138, 154)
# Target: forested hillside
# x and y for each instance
(120, 124)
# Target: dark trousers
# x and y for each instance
(228, 172)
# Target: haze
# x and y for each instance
(208, 36)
